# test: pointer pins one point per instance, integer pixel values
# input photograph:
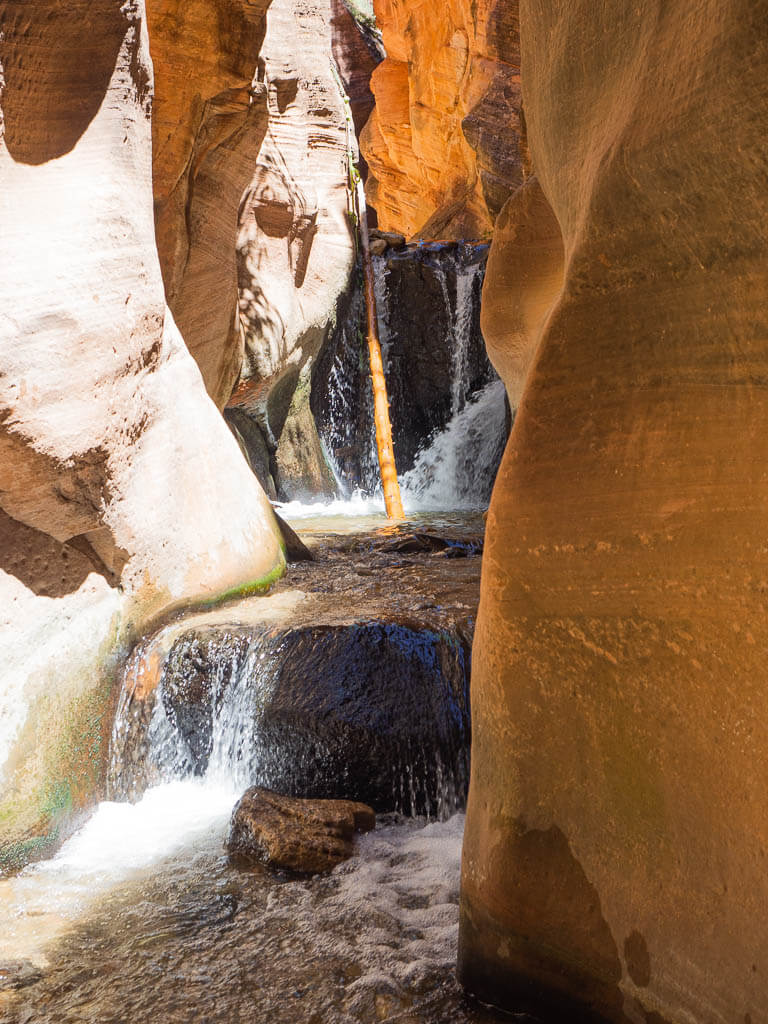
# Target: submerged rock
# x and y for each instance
(307, 836)
(17, 974)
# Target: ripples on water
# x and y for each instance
(154, 925)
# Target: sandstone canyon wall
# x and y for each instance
(616, 840)
(444, 141)
(208, 123)
(250, 178)
(357, 49)
(123, 494)
(295, 245)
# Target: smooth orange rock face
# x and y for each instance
(617, 834)
(443, 140)
(208, 123)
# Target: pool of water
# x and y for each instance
(141, 918)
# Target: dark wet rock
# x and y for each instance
(429, 316)
(422, 542)
(376, 712)
(360, 692)
(295, 548)
(307, 836)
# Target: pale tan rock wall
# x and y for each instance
(250, 178)
(295, 242)
(616, 829)
(114, 506)
(443, 142)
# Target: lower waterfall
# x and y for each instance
(458, 467)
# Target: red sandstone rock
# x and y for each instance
(443, 143)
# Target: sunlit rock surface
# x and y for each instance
(113, 507)
(443, 143)
(616, 831)
(208, 124)
(295, 244)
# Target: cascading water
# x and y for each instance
(428, 304)
(457, 469)
(321, 711)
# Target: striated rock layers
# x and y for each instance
(250, 175)
(208, 123)
(443, 143)
(113, 508)
(295, 244)
(616, 842)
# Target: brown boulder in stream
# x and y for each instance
(307, 836)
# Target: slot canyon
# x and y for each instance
(269, 749)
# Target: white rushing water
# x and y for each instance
(117, 843)
(457, 468)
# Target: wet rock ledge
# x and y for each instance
(353, 687)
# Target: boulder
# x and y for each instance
(390, 238)
(289, 834)
(370, 711)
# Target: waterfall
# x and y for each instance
(461, 324)
(457, 468)
(428, 305)
(319, 711)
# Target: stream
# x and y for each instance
(140, 916)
